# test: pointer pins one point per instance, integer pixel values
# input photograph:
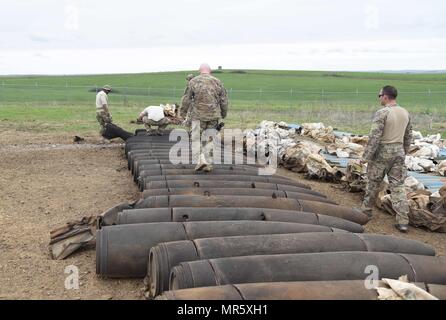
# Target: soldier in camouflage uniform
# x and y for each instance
(186, 115)
(204, 103)
(103, 114)
(389, 142)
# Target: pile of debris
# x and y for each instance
(293, 154)
(423, 156)
(305, 156)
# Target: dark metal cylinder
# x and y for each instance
(227, 214)
(170, 166)
(123, 250)
(325, 266)
(267, 179)
(164, 256)
(254, 202)
(302, 290)
(226, 184)
(217, 170)
(235, 191)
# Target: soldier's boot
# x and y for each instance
(402, 227)
(105, 140)
(151, 132)
(201, 163)
(208, 168)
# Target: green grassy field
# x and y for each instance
(345, 100)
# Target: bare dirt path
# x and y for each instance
(43, 186)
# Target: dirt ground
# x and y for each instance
(46, 180)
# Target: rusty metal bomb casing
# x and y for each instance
(123, 250)
(325, 266)
(302, 290)
(254, 202)
(164, 256)
(151, 215)
(236, 191)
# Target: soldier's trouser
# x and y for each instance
(202, 155)
(103, 118)
(389, 160)
(161, 124)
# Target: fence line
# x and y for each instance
(291, 91)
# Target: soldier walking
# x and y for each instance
(205, 102)
(389, 142)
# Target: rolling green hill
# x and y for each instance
(345, 100)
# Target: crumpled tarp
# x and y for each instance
(401, 289)
(318, 168)
(343, 148)
(295, 157)
(412, 184)
(419, 164)
(268, 135)
(424, 150)
(441, 169)
(318, 132)
(435, 140)
(71, 237)
(355, 179)
(425, 210)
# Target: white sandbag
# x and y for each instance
(413, 184)
(342, 154)
(441, 169)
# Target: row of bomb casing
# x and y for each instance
(185, 221)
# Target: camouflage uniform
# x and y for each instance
(161, 125)
(387, 159)
(184, 103)
(205, 100)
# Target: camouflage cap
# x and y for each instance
(107, 87)
(190, 77)
(169, 109)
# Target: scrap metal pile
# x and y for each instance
(234, 234)
(427, 209)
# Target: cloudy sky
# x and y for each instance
(107, 36)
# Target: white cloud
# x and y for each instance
(371, 55)
(317, 30)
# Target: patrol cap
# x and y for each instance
(107, 87)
